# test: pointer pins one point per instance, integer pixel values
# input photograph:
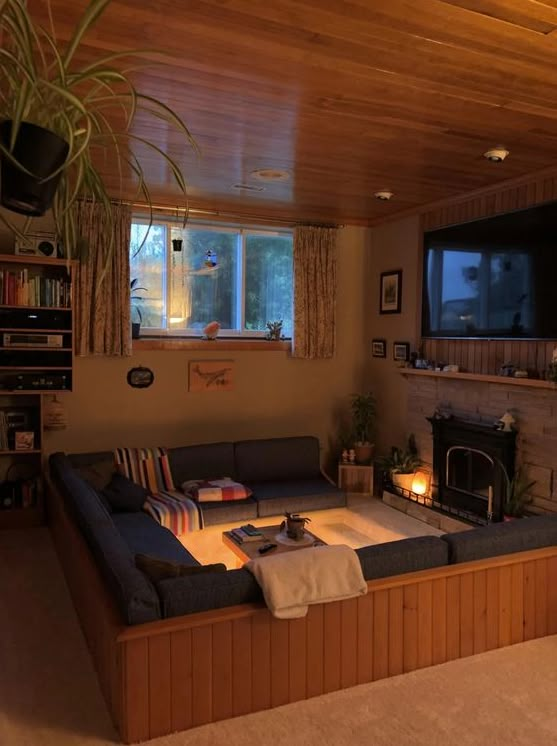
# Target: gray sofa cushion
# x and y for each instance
(228, 511)
(502, 538)
(275, 459)
(209, 461)
(144, 535)
(134, 595)
(207, 591)
(274, 498)
(405, 555)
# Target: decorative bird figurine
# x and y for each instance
(211, 331)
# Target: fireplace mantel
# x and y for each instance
(479, 377)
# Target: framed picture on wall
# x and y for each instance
(390, 291)
(401, 351)
(379, 347)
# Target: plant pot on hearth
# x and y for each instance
(403, 481)
(31, 169)
(364, 452)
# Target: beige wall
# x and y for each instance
(274, 395)
(394, 245)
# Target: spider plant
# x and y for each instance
(90, 106)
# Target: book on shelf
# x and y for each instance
(21, 289)
(242, 537)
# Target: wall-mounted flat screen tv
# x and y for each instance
(493, 278)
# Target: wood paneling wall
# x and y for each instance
(486, 356)
(240, 661)
(185, 671)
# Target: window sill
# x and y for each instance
(209, 345)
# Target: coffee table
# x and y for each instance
(248, 549)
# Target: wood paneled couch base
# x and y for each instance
(185, 671)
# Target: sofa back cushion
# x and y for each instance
(209, 461)
(276, 459)
(206, 591)
(405, 555)
(502, 538)
(134, 595)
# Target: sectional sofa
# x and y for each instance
(184, 651)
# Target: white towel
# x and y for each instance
(292, 580)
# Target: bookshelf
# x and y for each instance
(36, 360)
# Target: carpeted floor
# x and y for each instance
(503, 698)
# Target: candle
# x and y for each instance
(489, 502)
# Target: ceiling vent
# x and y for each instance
(247, 188)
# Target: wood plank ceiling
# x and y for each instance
(348, 97)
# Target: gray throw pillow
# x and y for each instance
(158, 569)
(123, 495)
(98, 474)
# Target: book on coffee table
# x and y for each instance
(242, 536)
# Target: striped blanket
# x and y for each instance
(150, 468)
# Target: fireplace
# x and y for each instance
(472, 464)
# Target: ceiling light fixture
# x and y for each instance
(497, 154)
(383, 194)
(270, 174)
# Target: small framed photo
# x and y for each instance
(401, 351)
(24, 440)
(390, 291)
(379, 347)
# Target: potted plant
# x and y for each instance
(363, 423)
(402, 463)
(61, 117)
(135, 300)
(517, 496)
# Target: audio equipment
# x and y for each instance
(38, 244)
(21, 339)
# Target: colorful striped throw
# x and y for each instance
(150, 468)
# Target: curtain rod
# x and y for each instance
(168, 209)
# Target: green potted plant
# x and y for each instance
(517, 496)
(363, 423)
(402, 463)
(61, 117)
(136, 300)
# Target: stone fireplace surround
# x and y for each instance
(535, 411)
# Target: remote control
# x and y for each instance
(266, 548)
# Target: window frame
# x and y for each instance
(242, 231)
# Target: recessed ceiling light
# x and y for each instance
(496, 155)
(383, 194)
(270, 174)
(248, 188)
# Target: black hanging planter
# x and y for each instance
(136, 329)
(41, 152)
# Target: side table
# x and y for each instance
(356, 478)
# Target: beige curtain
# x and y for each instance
(102, 287)
(314, 292)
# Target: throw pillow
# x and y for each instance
(215, 490)
(97, 474)
(158, 569)
(123, 495)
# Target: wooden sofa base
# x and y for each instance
(179, 673)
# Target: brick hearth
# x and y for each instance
(535, 411)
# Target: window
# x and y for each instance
(240, 277)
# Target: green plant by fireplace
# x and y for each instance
(517, 494)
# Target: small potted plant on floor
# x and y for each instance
(363, 423)
(402, 463)
(517, 496)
